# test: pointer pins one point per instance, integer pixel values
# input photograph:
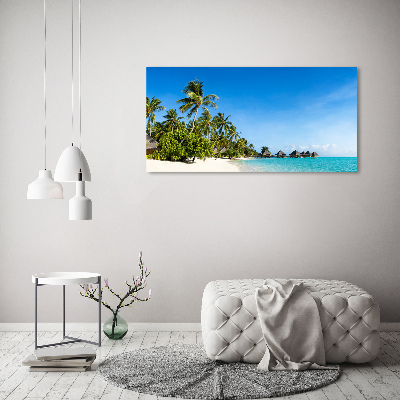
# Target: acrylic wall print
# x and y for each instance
(251, 119)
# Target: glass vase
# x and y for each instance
(115, 327)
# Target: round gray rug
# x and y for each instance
(185, 371)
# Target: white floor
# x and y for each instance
(379, 379)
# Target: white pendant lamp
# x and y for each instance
(71, 162)
(72, 165)
(44, 186)
(80, 206)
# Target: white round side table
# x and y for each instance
(66, 278)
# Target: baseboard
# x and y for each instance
(138, 327)
(390, 327)
(92, 327)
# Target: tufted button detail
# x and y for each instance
(360, 318)
(334, 344)
(334, 318)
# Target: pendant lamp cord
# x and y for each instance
(79, 88)
(79, 84)
(79, 76)
(44, 84)
(72, 69)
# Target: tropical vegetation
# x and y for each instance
(201, 135)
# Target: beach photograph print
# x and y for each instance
(251, 119)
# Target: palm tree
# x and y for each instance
(233, 134)
(171, 120)
(152, 106)
(241, 145)
(206, 124)
(222, 124)
(230, 134)
(158, 130)
(195, 99)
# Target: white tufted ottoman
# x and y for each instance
(231, 330)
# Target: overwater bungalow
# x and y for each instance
(281, 154)
(295, 154)
(307, 154)
(302, 154)
(266, 154)
(314, 154)
(151, 144)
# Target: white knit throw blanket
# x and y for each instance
(291, 327)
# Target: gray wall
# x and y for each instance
(192, 228)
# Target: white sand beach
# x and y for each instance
(207, 165)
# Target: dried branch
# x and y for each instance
(139, 283)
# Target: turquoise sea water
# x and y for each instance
(319, 164)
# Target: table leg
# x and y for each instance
(36, 286)
(100, 297)
(73, 339)
(63, 311)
